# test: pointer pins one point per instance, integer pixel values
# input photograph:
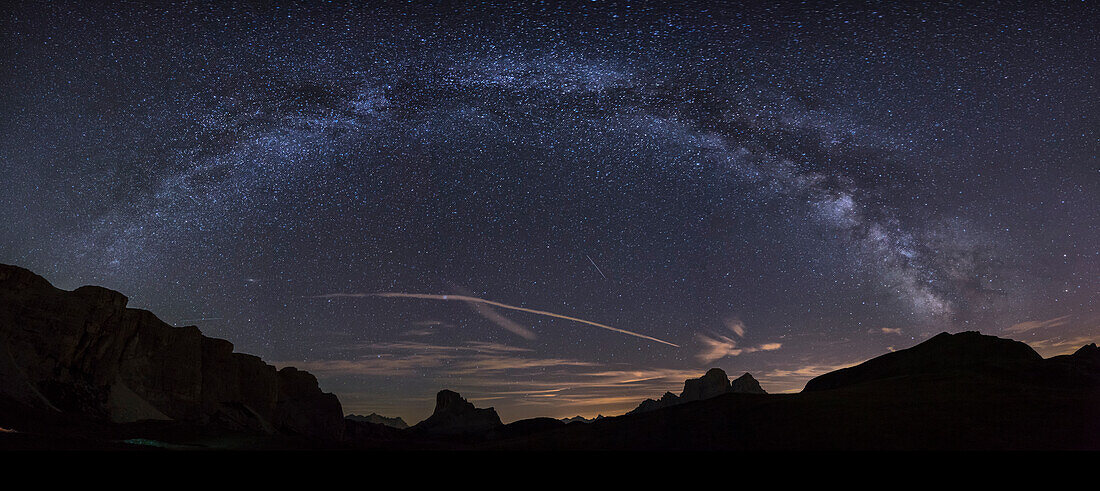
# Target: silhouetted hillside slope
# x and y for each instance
(944, 353)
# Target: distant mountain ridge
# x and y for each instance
(380, 420)
(581, 419)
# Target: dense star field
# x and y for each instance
(781, 190)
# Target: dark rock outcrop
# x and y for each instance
(712, 384)
(453, 415)
(378, 419)
(84, 353)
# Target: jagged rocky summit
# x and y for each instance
(82, 352)
(453, 415)
(378, 419)
(712, 384)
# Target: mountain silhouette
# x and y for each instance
(80, 370)
(453, 415)
(581, 419)
(964, 391)
(82, 356)
(379, 419)
(712, 384)
(943, 353)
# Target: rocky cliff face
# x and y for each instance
(712, 384)
(453, 415)
(84, 352)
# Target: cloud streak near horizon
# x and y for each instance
(477, 300)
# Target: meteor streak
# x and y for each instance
(465, 298)
(594, 265)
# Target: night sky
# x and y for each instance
(780, 190)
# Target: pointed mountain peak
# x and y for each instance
(746, 384)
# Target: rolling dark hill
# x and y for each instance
(967, 352)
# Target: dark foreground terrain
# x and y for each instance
(79, 370)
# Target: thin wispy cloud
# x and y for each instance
(734, 324)
(424, 347)
(1032, 325)
(1059, 345)
(782, 380)
(476, 300)
(432, 323)
(502, 363)
(716, 347)
(503, 322)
